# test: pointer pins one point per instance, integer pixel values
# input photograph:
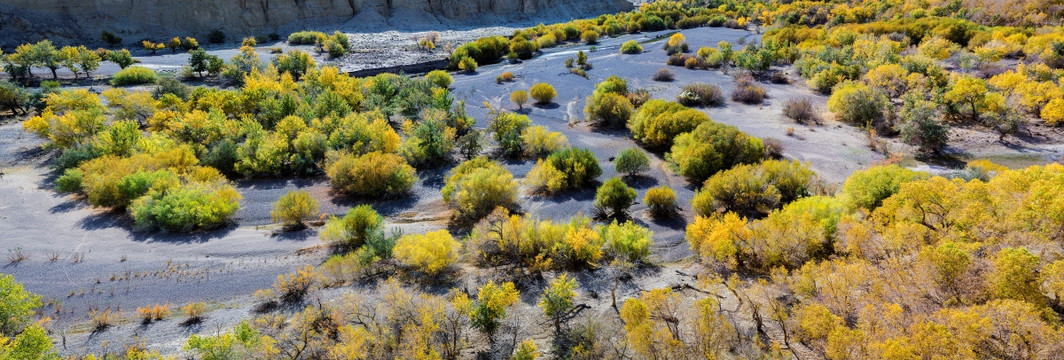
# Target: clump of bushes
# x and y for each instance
(360, 226)
(295, 207)
(857, 104)
(504, 77)
(540, 142)
(306, 37)
(754, 190)
(700, 95)
(801, 110)
(609, 104)
(747, 91)
(631, 47)
(677, 44)
(614, 198)
(476, 187)
(507, 127)
(631, 162)
(186, 208)
(866, 189)
(373, 175)
(440, 78)
(565, 169)
(153, 313)
(712, 147)
(134, 75)
(543, 93)
(663, 75)
(661, 201)
(429, 254)
(659, 122)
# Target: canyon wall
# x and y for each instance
(83, 20)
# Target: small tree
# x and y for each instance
(557, 301)
(543, 93)
(120, 57)
(174, 44)
(520, 98)
(614, 198)
(294, 207)
(922, 128)
(631, 162)
(492, 303)
(661, 201)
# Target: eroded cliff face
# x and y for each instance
(83, 20)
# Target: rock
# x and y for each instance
(83, 20)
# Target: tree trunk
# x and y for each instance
(55, 76)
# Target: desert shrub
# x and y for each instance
(747, 92)
(429, 253)
(105, 318)
(858, 104)
(659, 122)
(292, 288)
(590, 37)
(677, 44)
(194, 312)
(504, 77)
(170, 86)
(547, 41)
(467, 64)
(519, 98)
(506, 127)
(134, 75)
(638, 97)
(801, 110)
(440, 78)
(754, 190)
(360, 226)
(523, 48)
(374, 174)
(295, 62)
(614, 198)
(663, 75)
(476, 187)
(543, 93)
(295, 207)
(626, 241)
(678, 59)
(545, 178)
(305, 37)
(579, 166)
(922, 126)
(631, 47)
(631, 162)
(13, 98)
(866, 189)
(539, 142)
(712, 147)
(661, 201)
(700, 94)
(153, 313)
(773, 148)
(608, 109)
(186, 208)
(216, 37)
(429, 141)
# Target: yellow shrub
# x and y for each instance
(429, 253)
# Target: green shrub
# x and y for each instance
(661, 201)
(700, 95)
(539, 142)
(134, 75)
(478, 186)
(545, 178)
(579, 166)
(627, 241)
(858, 104)
(295, 207)
(659, 122)
(614, 198)
(467, 64)
(120, 57)
(371, 175)
(519, 98)
(507, 128)
(186, 208)
(631, 162)
(590, 37)
(712, 147)
(523, 48)
(440, 78)
(866, 189)
(305, 37)
(428, 141)
(608, 109)
(753, 191)
(360, 226)
(543, 93)
(631, 47)
(295, 62)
